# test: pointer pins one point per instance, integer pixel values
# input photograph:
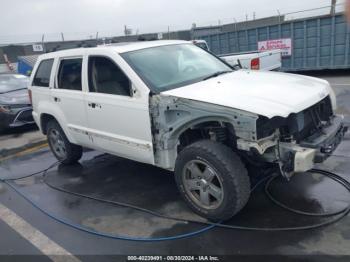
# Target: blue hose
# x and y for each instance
(110, 236)
(100, 234)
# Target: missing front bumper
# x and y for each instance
(328, 142)
(316, 149)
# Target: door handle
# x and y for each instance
(94, 105)
(57, 99)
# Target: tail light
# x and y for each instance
(255, 64)
(30, 96)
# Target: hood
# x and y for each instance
(268, 94)
(18, 97)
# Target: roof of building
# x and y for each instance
(29, 60)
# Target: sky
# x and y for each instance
(26, 20)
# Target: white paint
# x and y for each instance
(119, 48)
(284, 44)
(340, 84)
(120, 125)
(5, 69)
(38, 48)
(265, 93)
(269, 60)
(47, 246)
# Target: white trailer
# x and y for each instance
(266, 61)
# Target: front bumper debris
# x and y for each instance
(315, 149)
(328, 142)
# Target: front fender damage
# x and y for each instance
(171, 116)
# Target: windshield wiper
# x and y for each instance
(216, 74)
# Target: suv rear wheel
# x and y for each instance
(66, 152)
(212, 179)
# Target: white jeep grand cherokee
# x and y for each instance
(173, 105)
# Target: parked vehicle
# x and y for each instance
(173, 105)
(266, 61)
(15, 106)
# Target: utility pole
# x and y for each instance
(235, 23)
(62, 36)
(334, 4)
(279, 16)
(43, 42)
(96, 35)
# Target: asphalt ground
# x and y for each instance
(32, 235)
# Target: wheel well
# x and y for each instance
(44, 120)
(217, 131)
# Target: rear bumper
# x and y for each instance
(16, 118)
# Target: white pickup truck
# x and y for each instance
(265, 61)
(173, 105)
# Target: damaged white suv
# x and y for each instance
(174, 105)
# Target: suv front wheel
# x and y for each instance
(212, 179)
(65, 152)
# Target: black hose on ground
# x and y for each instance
(335, 216)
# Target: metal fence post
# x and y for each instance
(247, 39)
(293, 44)
(318, 47)
(305, 45)
(332, 41)
(347, 46)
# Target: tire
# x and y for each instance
(212, 159)
(65, 152)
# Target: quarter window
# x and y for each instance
(42, 75)
(107, 78)
(69, 74)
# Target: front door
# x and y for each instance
(118, 115)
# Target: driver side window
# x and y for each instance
(107, 78)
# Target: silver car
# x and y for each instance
(15, 105)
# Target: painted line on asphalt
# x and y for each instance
(25, 152)
(47, 246)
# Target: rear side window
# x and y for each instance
(107, 78)
(42, 75)
(69, 74)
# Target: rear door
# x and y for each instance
(41, 85)
(118, 113)
(69, 96)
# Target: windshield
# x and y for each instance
(9, 83)
(168, 67)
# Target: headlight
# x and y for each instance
(265, 127)
(5, 108)
(7, 100)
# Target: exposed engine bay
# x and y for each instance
(294, 143)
